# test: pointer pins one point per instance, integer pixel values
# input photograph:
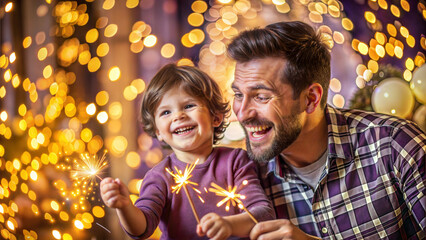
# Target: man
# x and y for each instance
(330, 174)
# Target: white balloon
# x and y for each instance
(418, 84)
(393, 96)
(419, 117)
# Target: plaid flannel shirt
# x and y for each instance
(373, 185)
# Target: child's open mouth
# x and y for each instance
(184, 130)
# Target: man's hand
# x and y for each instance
(278, 229)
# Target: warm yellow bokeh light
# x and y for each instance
(108, 4)
(3, 116)
(168, 50)
(102, 49)
(10, 225)
(408, 75)
(338, 101)
(94, 64)
(115, 110)
(363, 48)
(130, 93)
(195, 19)
(199, 6)
(54, 205)
(370, 17)
(33, 175)
(102, 117)
(186, 42)
(380, 50)
(139, 84)
(391, 29)
(8, 7)
(409, 64)
(196, 36)
(92, 35)
(114, 73)
(91, 109)
(395, 11)
(133, 159)
(86, 135)
(98, 212)
(150, 41)
(47, 71)
(64, 216)
(42, 53)
(12, 57)
(119, 145)
(67, 236)
(111, 30)
(185, 62)
(102, 98)
(78, 224)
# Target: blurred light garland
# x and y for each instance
(40, 136)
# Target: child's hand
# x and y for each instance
(214, 227)
(114, 193)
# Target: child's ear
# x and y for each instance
(217, 119)
(157, 133)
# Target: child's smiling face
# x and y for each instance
(184, 122)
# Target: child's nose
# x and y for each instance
(179, 116)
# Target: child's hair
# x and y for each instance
(194, 82)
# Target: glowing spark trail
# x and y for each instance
(182, 180)
(89, 167)
(231, 197)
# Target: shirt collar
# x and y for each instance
(339, 136)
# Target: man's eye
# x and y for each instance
(166, 112)
(238, 96)
(262, 99)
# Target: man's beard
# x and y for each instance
(285, 134)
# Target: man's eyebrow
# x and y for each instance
(255, 87)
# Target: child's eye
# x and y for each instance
(188, 106)
(166, 112)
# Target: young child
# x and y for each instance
(183, 107)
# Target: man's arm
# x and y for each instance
(409, 155)
(279, 229)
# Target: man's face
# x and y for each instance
(265, 107)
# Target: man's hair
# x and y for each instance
(194, 82)
(307, 57)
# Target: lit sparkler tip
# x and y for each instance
(181, 180)
(231, 197)
(89, 166)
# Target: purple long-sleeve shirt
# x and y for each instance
(225, 167)
(373, 185)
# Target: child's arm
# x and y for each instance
(216, 227)
(116, 195)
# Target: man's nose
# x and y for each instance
(244, 110)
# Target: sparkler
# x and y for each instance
(182, 180)
(89, 167)
(231, 196)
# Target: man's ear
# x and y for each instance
(313, 97)
(217, 119)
